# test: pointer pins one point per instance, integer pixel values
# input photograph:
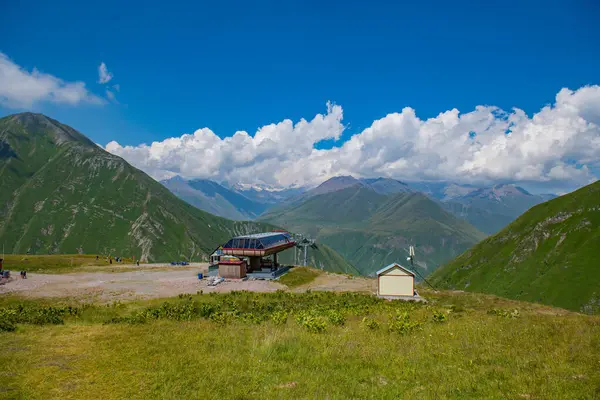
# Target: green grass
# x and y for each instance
(475, 353)
(299, 276)
(548, 255)
(53, 264)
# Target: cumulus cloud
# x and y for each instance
(560, 144)
(103, 75)
(20, 88)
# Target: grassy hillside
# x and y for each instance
(371, 230)
(63, 194)
(285, 345)
(320, 256)
(548, 255)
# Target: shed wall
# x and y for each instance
(396, 285)
(232, 271)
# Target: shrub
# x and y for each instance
(219, 317)
(370, 323)
(7, 326)
(311, 323)
(205, 310)
(504, 313)
(439, 316)
(336, 318)
(401, 323)
(279, 317)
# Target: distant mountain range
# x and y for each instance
(215, 199)
(235, 202)
(489, 209)
(373, 226)
(547, 255)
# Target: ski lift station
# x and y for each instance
(246, 255)
(395, 281)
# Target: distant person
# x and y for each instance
(110, 260)
(96, 258)
(138, 263)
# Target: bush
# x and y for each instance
(279, 317)
(311, 323)
(439, 316)
(7, 326)
(370, 323)
(36, 315)
(401, 323)
(336, 318)
(219, 317)
(504, 313)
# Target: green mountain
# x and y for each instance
(548, 255)
(372, 229)
(61, 193)
(319, 256)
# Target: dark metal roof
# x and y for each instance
(261, 235)
(260, 241)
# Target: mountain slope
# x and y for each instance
(319, 256)
(211, 197)
(63, 194)
(387, 185)
(548, 255)
(370, 229)
(491, 209)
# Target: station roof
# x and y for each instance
(261, 241)
(261, 235)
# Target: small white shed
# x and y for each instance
(395, 280)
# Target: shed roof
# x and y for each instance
(393, 265)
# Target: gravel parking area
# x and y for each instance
(142, 283)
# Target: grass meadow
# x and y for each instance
(285, 345)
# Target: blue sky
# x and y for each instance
(235, 66)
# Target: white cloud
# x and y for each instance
(20, 88)
(103, 75)
(559, 145)
(111, 96)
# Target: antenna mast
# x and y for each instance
(411, 258)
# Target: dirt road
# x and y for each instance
(142, 283)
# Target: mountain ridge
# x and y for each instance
(63, 193)
(547, 255)
(371, 229)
